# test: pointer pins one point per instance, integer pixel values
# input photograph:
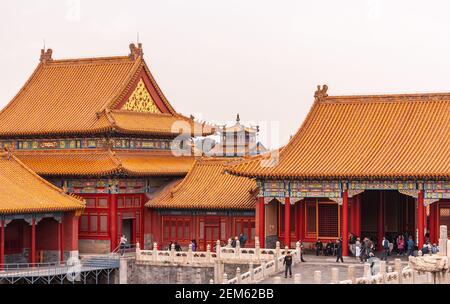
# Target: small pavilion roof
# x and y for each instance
(206, 186)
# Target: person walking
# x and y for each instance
(123, 244)
(339, 251)
(301, 252)
(410, 246)
(287, 262)
(400, 245)
(242, 240)
(385, 246)
(319, 247)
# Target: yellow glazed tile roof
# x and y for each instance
(92, 162)
(79, 96)
(364, 137)
(206, 186)
(23, 191)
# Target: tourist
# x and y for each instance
(330, 248)
(425, 249)
(194, 245)
(242, 239)
(233, 242)
(410, 246)
(400, 245)
(434, 249)
(177, 247)
(123, 243)
(358, 249)
(385, 246)
(339, 251)
(352, 243)
(301, 251)
(287, 262)
(319, 247)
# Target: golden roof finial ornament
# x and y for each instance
(321, 93)
(46, 55)
(136, 52)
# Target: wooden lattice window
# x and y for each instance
(311, 217)
(328, 220)
(444, 217)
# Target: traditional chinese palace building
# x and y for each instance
(207, 205)
(102, 129)
(38, 222)
(371, 165)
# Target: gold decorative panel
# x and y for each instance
(141, 100)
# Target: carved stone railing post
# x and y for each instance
(211, 281)
(237, 253)
(277, 249)
(252, 274)
(190, 254)
(275, 259)
(263, 266)
(297, 278)
(138, 252)
(208, 253)
(334, 275)
(443, 240)
(257, 249)
(218, 249)
(172, 253)
(317, 277)
(298, 250)
(398, 269)
(351, 273)
(238, 275)
(225, 278)
(155, 252)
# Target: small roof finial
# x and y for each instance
(46, 55)
(321, 93)
(136, 52)
(238, 119)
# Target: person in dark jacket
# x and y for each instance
(319, 247)
(287, 262)
(339, 251)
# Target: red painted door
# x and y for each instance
(212, 233)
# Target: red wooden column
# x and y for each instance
(61, 239)
(380, 228)
(33, 242)
(113, 217)
(358, 215)
(420, 219)
(433, 223)
(345, 223)
(2, 244)
(287, 222)
(261, 221)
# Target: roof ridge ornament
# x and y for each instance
(46, 55)
(136, 52)
(321, 93)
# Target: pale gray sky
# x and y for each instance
(262, 59)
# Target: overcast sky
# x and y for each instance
(262, 59)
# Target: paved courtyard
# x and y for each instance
(325, 264)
